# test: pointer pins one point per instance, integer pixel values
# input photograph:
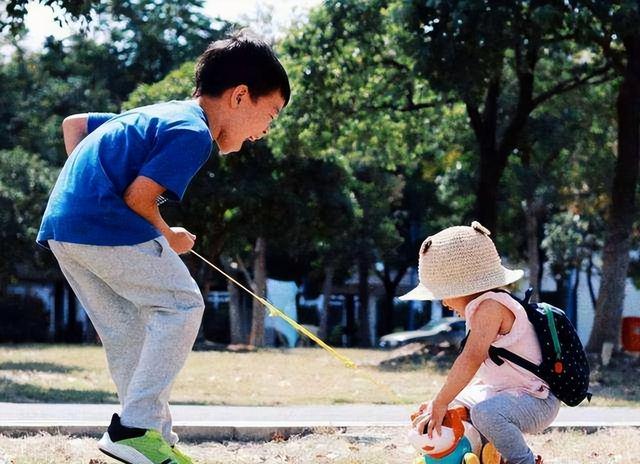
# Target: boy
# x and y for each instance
(121, 258)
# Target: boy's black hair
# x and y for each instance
(243, 58)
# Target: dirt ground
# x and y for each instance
(607, 446)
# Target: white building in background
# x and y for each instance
(585, 312)
(282, 294)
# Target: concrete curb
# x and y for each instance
(242, 423)
(255, 431)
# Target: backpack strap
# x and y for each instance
(524, 301)
(498, 355)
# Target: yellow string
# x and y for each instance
(301, 329)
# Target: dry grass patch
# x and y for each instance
(73, 373)
(613, 446)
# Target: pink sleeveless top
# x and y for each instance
(521, 340)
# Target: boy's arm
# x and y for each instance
(74, 129)
(141, 196)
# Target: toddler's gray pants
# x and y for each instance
(147, 309)
(503, 418)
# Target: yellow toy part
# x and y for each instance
(490, 454)
(470, 458)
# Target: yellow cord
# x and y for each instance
(273, 311)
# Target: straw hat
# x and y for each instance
(459, 261)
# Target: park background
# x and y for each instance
(406, 117)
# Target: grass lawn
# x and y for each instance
(612, 446)
(72, 373)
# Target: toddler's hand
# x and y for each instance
(421, 417)
(426, 406)
(438, 411)
(420, 421)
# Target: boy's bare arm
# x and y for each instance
(141, 197)
(74, 129)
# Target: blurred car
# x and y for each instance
(449, 330)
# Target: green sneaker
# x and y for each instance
(137, 446)
(182, 458)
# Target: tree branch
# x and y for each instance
(246, 273)
(394, 64)
(411, 107)
(571, 84)
(399, 275)
(604, 40)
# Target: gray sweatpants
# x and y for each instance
(147, 310)
(502, 419)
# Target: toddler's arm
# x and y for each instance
(484, 329)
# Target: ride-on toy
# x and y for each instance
(459, 442)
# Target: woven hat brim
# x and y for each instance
(419, 293)
(422, 293)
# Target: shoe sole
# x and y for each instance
(124, 453)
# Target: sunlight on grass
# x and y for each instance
(73, 373)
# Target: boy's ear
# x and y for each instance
(239, 93)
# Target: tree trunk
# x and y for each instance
(592, 293)
(487, 191)
(386, 323)
(531, 226)
(235, 315)
(327, 290)
(573, 311)
(533, 211)
(363, 295)
(260, 288)
(622, 210)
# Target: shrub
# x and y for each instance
(23, 319)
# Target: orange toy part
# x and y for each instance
(453, 420)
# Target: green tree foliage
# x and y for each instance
(79, 74)
(502, 60)
(291, 203)
(564, 164)
(151, 37)
(42, 89)
(177, 85)
(613, 26)
(25, 182)
(357, 99)
(16, 10)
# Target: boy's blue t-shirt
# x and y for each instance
(167, 142)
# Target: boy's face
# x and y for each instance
(246, 119)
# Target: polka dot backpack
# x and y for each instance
(564, 364)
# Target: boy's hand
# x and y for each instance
(181, 240)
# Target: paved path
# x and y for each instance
(258, 423)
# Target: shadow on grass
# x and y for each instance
(440, 362)
(618, 381)
(39, 367)
(15, 392)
